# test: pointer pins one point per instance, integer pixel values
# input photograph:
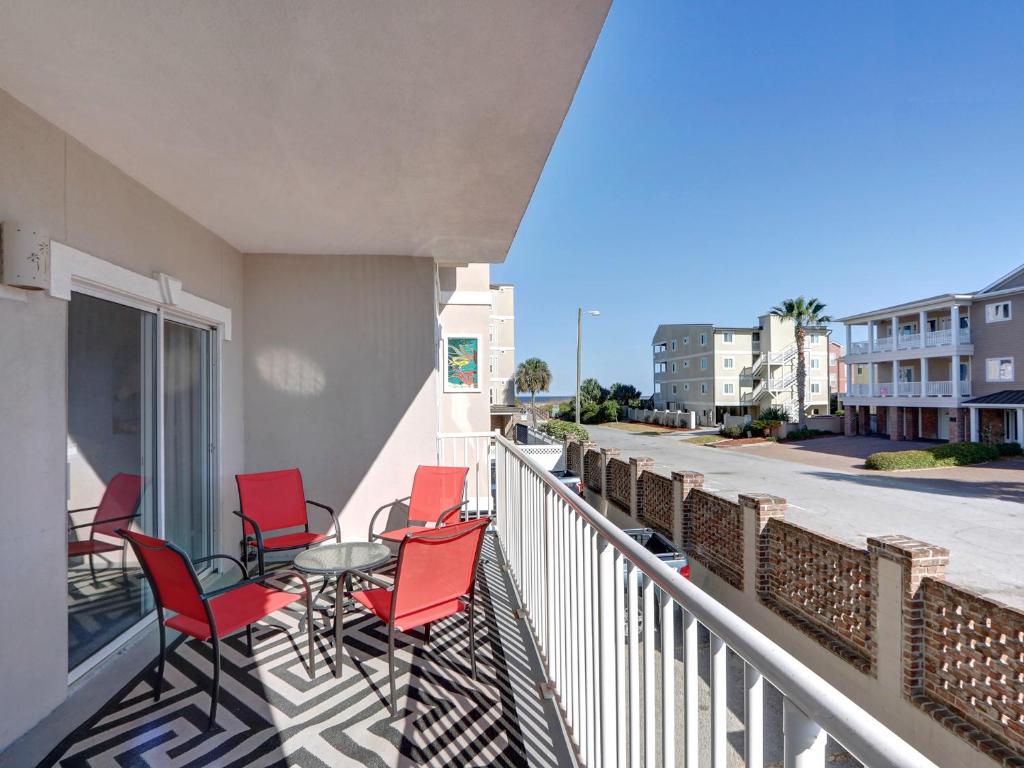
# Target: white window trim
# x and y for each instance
(703, 389)
(1013, 368)
(1009, 312)
(673, 345)
(686, 387)
(728, 388)
(703, 339)
(815, 391)
(673, 367)
(729, 363)
(815, 363)
(728, 337)
(686, 340)
(703, 363)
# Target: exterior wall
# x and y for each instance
(340, 376)
(836, 370)
(999, 339)
(53, 182)
(741, 352)
(466, 411)
(688, 375)
(502, 337)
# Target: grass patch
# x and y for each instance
(643, 429)
(703, 439)
(948, 455)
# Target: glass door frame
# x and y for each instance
(163, 312)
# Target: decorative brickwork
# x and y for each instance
(990, 425)
(715, 534)
(825, 588)
(685, 484)
(617, 482)
(930, 423)
(973, 668)
(592, 474)
(881, 420)
(573, 455)
(654, 501)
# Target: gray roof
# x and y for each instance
(1006, 397)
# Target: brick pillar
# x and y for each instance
(898, 565)
(637, 466)
(567, 442)
(894, 420)
(849, 421)
(585, 446)
(758, 510)
(959, 425)
(911, 423)
(682, 519)
(607, 454)
(863, 419)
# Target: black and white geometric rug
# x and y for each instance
(272, 714)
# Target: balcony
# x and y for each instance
(908, 342)
(925, 390)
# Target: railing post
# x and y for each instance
(637, 466)
(608, 628)
(682, 519)
(803, 739)
(758, 510)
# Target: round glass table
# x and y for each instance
(335, 561)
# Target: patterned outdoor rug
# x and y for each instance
(272, 714)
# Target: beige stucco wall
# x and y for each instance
(339, 376)
(49, 180)
(467, 411)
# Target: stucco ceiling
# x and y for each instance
(314, 126)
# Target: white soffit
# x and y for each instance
(314, 126)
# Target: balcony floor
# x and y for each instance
(271, 714)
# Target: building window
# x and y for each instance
(727, 337)
(659, 367)
(815, 363)
(703, 339)
(814, 338)
(860, 370)
(728, 388)
(686, 387)
(686, 339)
(686, 363)
(999, 369)
(673, 345)
(728, 362)
(703, 363)
(703, 389)
(673, 367)
(815, 388)
(998, 312)
(659, 348)
(674, 389)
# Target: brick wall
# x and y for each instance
(882, 420)
(930, 423)
(573, 454)
(592, 469)
(715, 534)
(654, 501)
(973, 673)
(617, 482)
(824, 587)
(990, 425)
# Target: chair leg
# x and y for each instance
(472, 641)
(163, 657)
(309, 636)
(393, 701)
(124, 559)
(92, 568)
(248, 637)
(426, 635)
(339, 627)
(215, 687)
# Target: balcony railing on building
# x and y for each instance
(910, 341)
(907, 389)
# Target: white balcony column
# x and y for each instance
(871, 335)
(1020, 426)
(922, 323)
(892, 332)
(954, 313)
(954, 374)
(924, 374)
(974, 424)
(871, 380)
(849, 338)
(895, 376)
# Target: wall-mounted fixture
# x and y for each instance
(25, 255)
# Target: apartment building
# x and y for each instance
(717, 370)
(941, 368)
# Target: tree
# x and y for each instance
(623, 394)
(805, 313)
(533, 376)
(591, 392)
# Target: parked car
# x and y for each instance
(659, 545)
(570, 480)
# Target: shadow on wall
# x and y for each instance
(339, 380)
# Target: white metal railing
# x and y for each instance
(908, 341)
(965, 388)
(965, 335)
(858, 390)
(860, 347)
(883, 344)
(589, 592)
(908, 388)
(939, 388)
(885, 389)
(476, 451)
(943, 338)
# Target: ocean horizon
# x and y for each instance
(525, 397)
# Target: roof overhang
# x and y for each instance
(316, 126)
(933, 302)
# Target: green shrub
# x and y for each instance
(559, 429)
(947, 455)
(803, 434)
(732, 432)
(774, 413)
(887, 461)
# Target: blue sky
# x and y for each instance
(719, 157)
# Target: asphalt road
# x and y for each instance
(982, 524)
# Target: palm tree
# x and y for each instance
(805, 313)
(533, 376)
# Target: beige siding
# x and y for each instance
(996, 340)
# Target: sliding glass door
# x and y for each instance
(140, 456)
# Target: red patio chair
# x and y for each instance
(272, 501)
(215, 614)
(435, 579)
(120, 502)
(436, 500)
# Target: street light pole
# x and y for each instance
(579, 352)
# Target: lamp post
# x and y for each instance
(579, 351)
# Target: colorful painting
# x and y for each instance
(462, 364)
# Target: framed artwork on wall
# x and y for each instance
(462, 363)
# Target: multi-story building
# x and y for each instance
(502, 338)
(715, 370)
(939, 368)
(836, 368)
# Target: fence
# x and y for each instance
(892, 627)
(598, 643)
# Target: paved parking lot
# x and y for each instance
(977, 512)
